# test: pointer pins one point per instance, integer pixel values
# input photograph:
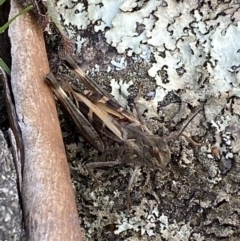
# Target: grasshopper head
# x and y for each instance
(159, 150)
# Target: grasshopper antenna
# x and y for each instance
(194, 115)
(175, 136)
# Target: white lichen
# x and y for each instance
(193, 50)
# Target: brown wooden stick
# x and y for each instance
(48, 200)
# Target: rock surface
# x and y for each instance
(10, 210)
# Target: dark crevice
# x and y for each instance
(5, 55)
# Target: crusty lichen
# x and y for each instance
(186, 56)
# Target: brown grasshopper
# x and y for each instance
(98, 114)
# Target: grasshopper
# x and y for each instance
(97, 114)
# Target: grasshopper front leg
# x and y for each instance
(94, 165)
(131, 181)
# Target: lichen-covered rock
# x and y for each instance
(185, 54)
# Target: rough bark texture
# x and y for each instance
(48, 200)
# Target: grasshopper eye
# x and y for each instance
(162, 155)
(154, 151)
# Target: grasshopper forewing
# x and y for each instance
(105, 108)
(83, 125)
(98, 96)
